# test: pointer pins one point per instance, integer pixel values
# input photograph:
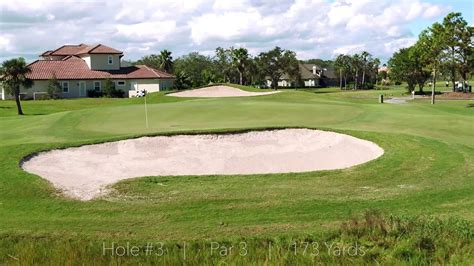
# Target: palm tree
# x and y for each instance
(166, 61)
(14, 75)
(365, 58)
(355, 64)
(240, 57)
(375, 67)
(339, 65)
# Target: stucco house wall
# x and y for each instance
(41, 87)
(101, 61)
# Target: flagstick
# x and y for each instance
(146, 112)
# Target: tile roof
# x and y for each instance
(78, 49)
(98, 49)
(73, 67)
(66, 50)
(46, 53)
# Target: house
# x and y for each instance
(310, 75)
(82, 68)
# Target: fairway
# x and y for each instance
(427, 168)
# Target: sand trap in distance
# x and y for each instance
(219, 91)
(85, 172)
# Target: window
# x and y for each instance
(97, 86)
(65, 86)
(120, 83)
(110, 60)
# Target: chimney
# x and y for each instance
(314, 70)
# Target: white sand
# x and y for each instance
(85, 172)
(219, 91)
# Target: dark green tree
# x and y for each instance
(223, 64)
(54, 88)
(401, 69)
(182, 81)
(459, 45)
(195, 66)
(109, 88)
(240, 58)
(166, 61)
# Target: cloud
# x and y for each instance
(312, 28)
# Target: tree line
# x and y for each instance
(234, 65)
(359, 71)
(445, 49)
(237, 65)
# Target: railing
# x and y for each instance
(38, 92)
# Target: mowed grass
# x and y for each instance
(427, 169)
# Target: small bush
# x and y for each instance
(94, 94)
(110, 91)
(54, 89)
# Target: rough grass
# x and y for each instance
(371, 239)
(427, 168)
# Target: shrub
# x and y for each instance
(94, 94)
(54, 88)
(110, 91)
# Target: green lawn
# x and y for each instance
(427, 169)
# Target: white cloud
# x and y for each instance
(349, 49)
(312, 28)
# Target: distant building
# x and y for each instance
(310, 75)
(82, 68)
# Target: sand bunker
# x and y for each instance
(85, 172)
(219, 91)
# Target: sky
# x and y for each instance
(311, 28)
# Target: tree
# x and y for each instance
(342, 65)
(338, 65)
(54, 88)
(320, 62)
(375, 69)
(166, 61)
(109, 88)
(466, 52)
(365, 61)
(255, 74)
(430, 46)
(14, 74)
(152, 61)
(195, 66)
(223, 62)
(355, 64)
(182, 81)
(275, 63)
(402, 68)
(163, 61)
(293, 70)
(240, 57)
(457, 35)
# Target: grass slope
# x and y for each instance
(427, 168)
